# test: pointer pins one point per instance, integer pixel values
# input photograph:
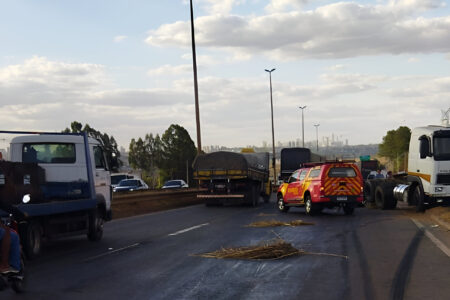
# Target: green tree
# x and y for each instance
(178, 153)
(395, 145)
(109, 144)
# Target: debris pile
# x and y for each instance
(275, 249)
(272, 223)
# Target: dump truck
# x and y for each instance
(233, 178)
(292, 159)
(426, 181)
(61, 181)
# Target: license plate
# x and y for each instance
(341, 198)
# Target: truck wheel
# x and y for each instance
(32, 239)
(255, 195)
(310, 207)
(418, 199)
(281, 206)
(349, 209)
(95, 231)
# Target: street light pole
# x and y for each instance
(317, 135)
(273, 134)
(303, 126)
(194, 65)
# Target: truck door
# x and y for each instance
(102, 178)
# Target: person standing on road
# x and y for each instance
(10, 243)
(379, 174)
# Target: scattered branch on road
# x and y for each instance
(273, 223)
(275, 249)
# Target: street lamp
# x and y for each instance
(317, 136)
(303, 126)
(273, 134)
(194, 66)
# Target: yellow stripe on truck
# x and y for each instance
(426, 177)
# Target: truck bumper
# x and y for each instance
(438, 201)
(222, 198)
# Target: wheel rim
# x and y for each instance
(308, 206)
(280, 203)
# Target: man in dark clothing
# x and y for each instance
(10, 243)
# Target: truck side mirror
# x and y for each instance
(424, 147)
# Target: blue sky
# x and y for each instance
(125, 67)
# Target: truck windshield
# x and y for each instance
(49, 153)
(441, 148)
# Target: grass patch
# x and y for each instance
(273, 223)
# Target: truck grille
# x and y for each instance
(443, 179)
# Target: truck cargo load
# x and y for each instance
(232, 177)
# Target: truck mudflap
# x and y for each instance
(57, 207)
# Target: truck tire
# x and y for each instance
(418, 199)
(31, 237)
(384, 196)
(95, 227)
(255, 194)
(281, 206)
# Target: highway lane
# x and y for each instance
(152, 257)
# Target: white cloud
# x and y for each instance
(219, 6)
(170, 70)
(338, 30)
(40, 94)
(283, 5)
(119, 38)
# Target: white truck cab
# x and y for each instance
(64, 160)
(73, 195)
(429, 161)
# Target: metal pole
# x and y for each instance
(273, 134)
(317, 135)
(194, 65)
(303, 126)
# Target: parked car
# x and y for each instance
(175, 184)
(117, 177)
(322, 185)
(130, 185)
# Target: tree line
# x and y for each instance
(160, 158)
(395, 146)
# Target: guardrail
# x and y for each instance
(127, 204)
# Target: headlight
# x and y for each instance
(438, 189)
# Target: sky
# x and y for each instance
(361, 68)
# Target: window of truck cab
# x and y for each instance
(441, 145)
(99, 157)
(49, 153)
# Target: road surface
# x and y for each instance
(390, 256)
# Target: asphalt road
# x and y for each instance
(153, 257)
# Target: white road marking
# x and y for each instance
(188, 229)
(434, 239)
(112, 252)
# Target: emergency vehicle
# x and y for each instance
(322, 185)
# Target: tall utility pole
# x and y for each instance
(273, 134)
(317, 136)
(303, 126)
(194, 65)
